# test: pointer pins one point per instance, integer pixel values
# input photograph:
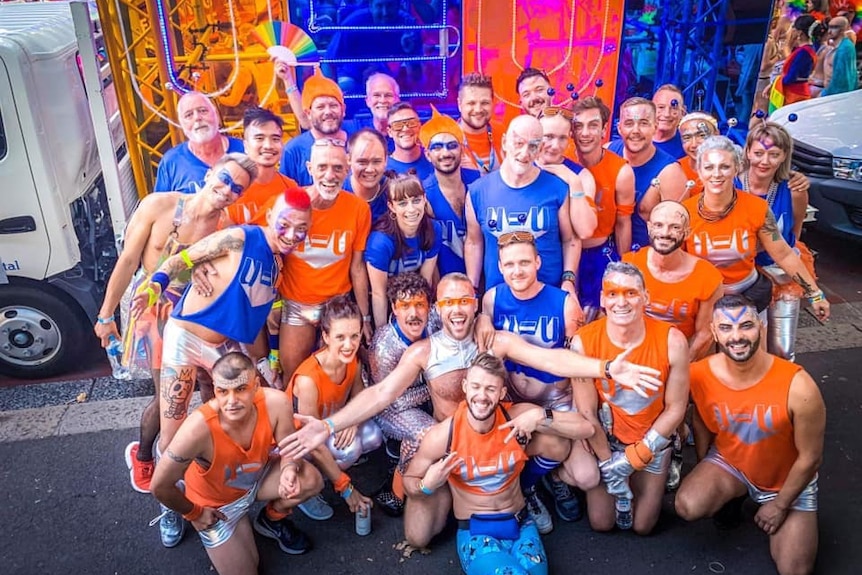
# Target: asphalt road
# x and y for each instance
(68, 508)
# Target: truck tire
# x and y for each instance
(41, 333)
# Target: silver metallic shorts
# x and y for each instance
(807, 500)
(300, 314)
(183, 348)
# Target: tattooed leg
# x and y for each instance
(176, 387)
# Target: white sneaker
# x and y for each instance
(316, 508)
(538, 512)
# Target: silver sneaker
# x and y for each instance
(316, 508)
(538, 512)
(171, 527)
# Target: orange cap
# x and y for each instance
(319, 85)
(439, 124)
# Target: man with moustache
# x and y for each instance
(548, 317)
(632, 440)
(366, 158)
(521, 197)
(532, 87)
(262, 137)
(206, 324)
(404, 127)
(658, 176)
(323, 103)
(446, 188)
(443, 359)
(480, 144)
(614, 200)
(759, 428)
(406, 420)
(330, 260)
(474, 454)
(183, 168)
(670, 108)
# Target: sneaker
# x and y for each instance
(674, 472)
(538, 512)
(390, 503)
(290, 539)
(316, 508)
(565, 501)
(140, 472)
(172, 527)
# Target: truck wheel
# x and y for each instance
(40, 334)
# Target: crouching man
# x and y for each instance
(224, 451)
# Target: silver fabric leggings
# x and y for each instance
(368, 438)
(782, 320)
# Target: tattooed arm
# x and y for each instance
(192, 441)
(209, 248)
(770, 237)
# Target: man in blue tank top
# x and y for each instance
(521, 197)
(545, 316)
(211, 320)
(658, 176)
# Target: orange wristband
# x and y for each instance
(625, 210)
(194, 514)
(342, 482)
(639, 455)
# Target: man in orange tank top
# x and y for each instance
(632, 442)
(474, 454)
(481, 144)
(223, 450)
(759, 428)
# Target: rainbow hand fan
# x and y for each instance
(287, 42)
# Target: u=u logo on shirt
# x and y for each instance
(749, 427)
(543, 330)
(320, 250)
(536, 220)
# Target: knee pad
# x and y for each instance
(783, 319)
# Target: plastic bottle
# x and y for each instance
(115, 355)
(363, 522)
(624, 512)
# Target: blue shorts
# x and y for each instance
(485, 555)
(590, 271)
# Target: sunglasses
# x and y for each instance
(409, 124)
(456, 301)
(438, 146)
(326, 142)
(420, 303)
(551, 111)
(225, 178)
(510, 238)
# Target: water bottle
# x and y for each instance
(363, 522)
(624, 512)
(115, 356)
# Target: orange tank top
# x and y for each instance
(752, 428)
(234, 469)
(605, 174)
(490, 464)
(691, 175)
(677, 303)
(730, 243)
(633, 415)
(331, 395)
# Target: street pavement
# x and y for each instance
(68, 507)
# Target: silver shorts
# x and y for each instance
(183, 348)
(659, 463)
(301, 314)
(807, 500)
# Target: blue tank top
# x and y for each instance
(534, 208)
(574, 166)
(644, 176)
(378, 205)
(240, 312)
(672, 147)
(453, 226)
(380, 252)
(781, 205)
(538, 320)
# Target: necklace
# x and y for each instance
(492, 157)
(770, 192)
(710, 216)
(583, 86)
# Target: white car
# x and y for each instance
(827, 147)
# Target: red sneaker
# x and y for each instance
(140, 472)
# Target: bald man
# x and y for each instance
(843, 77)
(521, 197)
(184, 167)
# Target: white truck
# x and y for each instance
(66, 181)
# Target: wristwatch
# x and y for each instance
(549, 417)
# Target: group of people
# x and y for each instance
(539, 312)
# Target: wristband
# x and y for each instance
(154, 297)
(194, 514)
(161, 279)
(342, 483)
(425, 489)
(184, 255)
(273, 341)
(577, 195)
(347, 492)
(569, 276)
(329, 423)
(639, 455)
(278, 304)
(608, 370)
(816, 297)
(366, 318)
(105, 320)
(291, 89)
